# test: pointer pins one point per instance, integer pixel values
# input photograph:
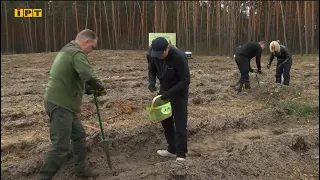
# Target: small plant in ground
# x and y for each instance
(299, 108)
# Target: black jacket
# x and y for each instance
(250, 50)
(172, 72)
(238, 50)
(284, 55)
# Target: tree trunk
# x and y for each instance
(254, 25)
(156, 28)
(146, 22)
(100, 28)
(312, 27)
(140, 33)
(105, 12)
(7, 32)
(13, 38)
(283, 23)
(267, 21)
(76, 14)
(143, 24)
(200, 29)
(114, 28)
(54, 30)
(208, 27)
(35, 36)
(161, 15)
(46, 27)
(65, 23)
(249, 24)
(95, 18)
(165, 16)
(27, 37)
(132, 29)
(194, 25)
(118, 23)
(294, 34)
(178, 23)
(188, 25)
(306, 27)
(219, 26)
(30, 33)
(87, 14)
(299, 25)
(128, 34)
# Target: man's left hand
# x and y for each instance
(164, 95)
(88, 91)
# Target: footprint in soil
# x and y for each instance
(197, 100)
(300, 145)
(178, 172)
(279, 131)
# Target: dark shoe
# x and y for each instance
(87, 173)
(70, 154)
(239, 87)
(247, 85)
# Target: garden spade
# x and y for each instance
(104, 142)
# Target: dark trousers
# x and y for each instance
(285, 70)
(64, 125)
(175, 127)
(244, 66)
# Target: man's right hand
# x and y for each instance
(152, 88)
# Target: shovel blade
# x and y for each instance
(105, 145)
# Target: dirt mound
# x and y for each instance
(269, 132)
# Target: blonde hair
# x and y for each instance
(274, 47)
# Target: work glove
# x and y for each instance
(152, 88)
(268, 66)
(251, 70)
(164, 95)
(88, 90)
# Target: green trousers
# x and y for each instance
(64, 125)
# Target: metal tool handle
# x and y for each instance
(99, 118)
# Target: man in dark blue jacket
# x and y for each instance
(170, 66)
(243, 56)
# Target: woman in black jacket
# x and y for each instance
(284, 61)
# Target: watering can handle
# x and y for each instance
(154, 99)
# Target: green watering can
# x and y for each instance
(159, 109)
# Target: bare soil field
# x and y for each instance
(269, 132)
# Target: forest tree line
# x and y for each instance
(214, 27)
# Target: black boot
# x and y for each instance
(247, 85)
(239, 87)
